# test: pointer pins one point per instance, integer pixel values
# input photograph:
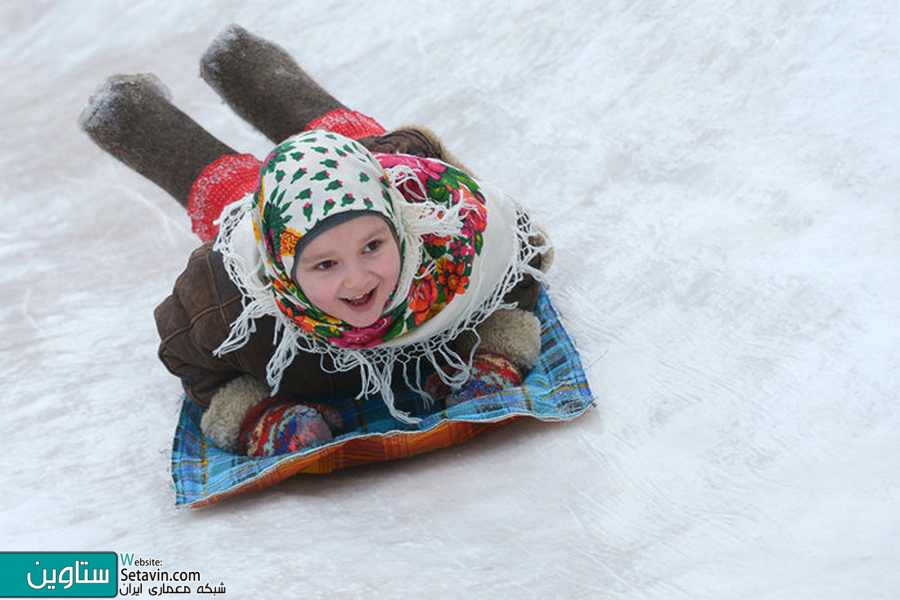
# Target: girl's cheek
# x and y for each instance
(315, 285)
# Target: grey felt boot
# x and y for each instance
(263, 84)
(132, 118)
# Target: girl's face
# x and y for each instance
(351, 270)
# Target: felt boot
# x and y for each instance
(267, 88)
(133, 119)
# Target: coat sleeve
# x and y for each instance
(192, 322)
(413, 139)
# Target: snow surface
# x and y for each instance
(721, 181)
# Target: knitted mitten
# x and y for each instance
(243, 418)
(490, 373)
(268, 89)
(509, 347)
(277, 426)
(132, 118)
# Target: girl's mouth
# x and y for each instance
(363, 301)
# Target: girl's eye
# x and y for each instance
(324, 265)
(372, 246)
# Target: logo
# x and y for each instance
(58, 574)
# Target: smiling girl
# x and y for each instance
(344, 263)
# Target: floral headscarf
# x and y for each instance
(458, 257)
(317, 175)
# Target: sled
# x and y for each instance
(556, 389)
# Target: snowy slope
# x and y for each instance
(721, 182)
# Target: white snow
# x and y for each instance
(721, 181)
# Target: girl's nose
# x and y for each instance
(356, 280)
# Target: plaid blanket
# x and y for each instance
(556, 389)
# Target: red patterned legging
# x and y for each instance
(232, 176)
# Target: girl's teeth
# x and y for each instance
(359, 299)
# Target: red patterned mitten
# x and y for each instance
(490, 373)
(277, 426)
